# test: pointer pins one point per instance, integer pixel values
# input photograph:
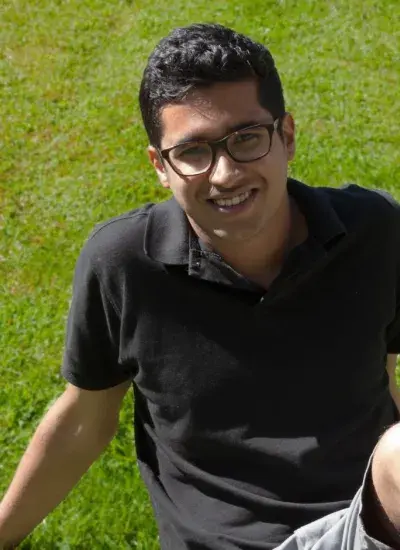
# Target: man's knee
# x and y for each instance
(386, 480)
(386, 460)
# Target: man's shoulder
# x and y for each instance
(360, 207)
(114, 230)
(356, 196)
(117, 242)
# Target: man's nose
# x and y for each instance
(225, 170)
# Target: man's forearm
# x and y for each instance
(60, 452)
(395, 392)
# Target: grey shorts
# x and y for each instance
(342, 530)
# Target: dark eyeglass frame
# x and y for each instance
(215, 146)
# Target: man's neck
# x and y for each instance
(261, 258)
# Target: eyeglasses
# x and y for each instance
(197, 157)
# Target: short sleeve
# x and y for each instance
(92, 339)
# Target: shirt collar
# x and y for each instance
(169, 239)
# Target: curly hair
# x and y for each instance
(198, 56)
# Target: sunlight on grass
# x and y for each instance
(73, 154)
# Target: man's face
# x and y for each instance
(211, 114)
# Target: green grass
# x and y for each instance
(73, 154)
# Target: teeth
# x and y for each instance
(235, 200)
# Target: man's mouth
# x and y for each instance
(234, 201)
(237, 199)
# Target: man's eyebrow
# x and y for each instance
(187, 138)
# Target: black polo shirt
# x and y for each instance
(255, 411)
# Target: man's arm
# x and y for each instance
(71, 436)
(391, 369)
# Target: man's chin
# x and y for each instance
(234, 237)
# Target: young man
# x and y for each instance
(254, 316)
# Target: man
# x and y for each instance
(254, 316)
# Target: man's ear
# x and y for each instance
(158, 165)
(288, 129)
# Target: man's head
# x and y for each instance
(201, 84)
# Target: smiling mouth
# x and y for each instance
(234, 203)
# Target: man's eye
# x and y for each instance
(193, 151)
(246, 138)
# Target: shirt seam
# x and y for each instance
(109, 298)
(94, 234)
(120, 218)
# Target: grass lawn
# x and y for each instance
(73, 154)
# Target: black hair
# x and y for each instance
(198, 56)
